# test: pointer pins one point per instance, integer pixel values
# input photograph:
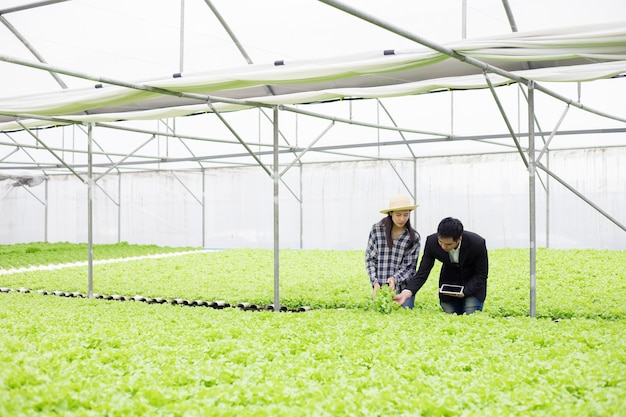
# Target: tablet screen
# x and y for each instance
(447, 288)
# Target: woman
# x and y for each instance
(392, 248)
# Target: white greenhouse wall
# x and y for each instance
(340, 201)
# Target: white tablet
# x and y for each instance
(451, 289)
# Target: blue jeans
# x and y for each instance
(467, 305)
(410, 302)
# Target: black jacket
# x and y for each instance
(471, 271)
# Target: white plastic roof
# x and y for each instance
(120, 61)
(574, 54)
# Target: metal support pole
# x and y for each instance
(46, 211)
(32, 50)
(531, 198)
(415, 199)
(276, 178)
(90, 210)
(464, 19)
(506, 119)
(203, 207)
(510, 15)
(300, 200)
(119, 207)
(548, 202)
(182, 36)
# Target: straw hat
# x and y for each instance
(399, 203)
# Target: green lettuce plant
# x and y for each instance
(383, 302)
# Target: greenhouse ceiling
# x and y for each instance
(350, 82)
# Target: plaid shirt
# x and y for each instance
(383, 263)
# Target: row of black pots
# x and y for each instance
(157, 300)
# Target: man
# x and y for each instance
(463, 255)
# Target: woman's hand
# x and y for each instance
(376, 288)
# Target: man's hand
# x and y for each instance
(392, 283)
(403, 296)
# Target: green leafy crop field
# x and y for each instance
(93, 357)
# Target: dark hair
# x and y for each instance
(450, 227)
(388, 223)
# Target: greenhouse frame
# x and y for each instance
(522, 135)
